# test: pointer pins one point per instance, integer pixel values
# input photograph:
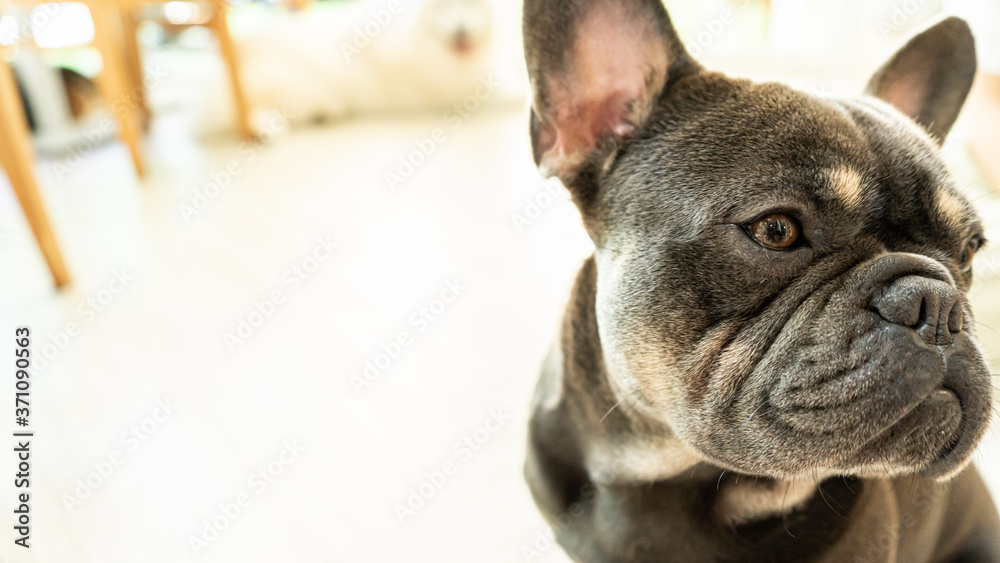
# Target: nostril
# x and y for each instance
(922, 315)
(955, 318)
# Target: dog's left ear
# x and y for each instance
(930, 77)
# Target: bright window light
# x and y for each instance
(8, 30)
(179, 13)
(61, 25)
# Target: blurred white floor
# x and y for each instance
(162, 337)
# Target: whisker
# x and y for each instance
(989, 327)
(784, 515)
(980, 196)
(780, 435)
(616, 405)
(638, 395)
(747, 421)
(846, 484)
(786, 430)
(758, 408)
(819, 487)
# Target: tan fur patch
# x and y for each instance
(643, 459)
(749, 500)
(952, 208)
(848, 185)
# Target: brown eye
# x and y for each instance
(777, 232)
(969, 252)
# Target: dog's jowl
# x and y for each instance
(771, 354)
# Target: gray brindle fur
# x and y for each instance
(714, 399)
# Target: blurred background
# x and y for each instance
(306, 269)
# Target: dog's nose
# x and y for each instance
(931, 307)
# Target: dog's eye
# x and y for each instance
(776, 231)
(969, 252)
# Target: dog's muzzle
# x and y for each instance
(889, 373)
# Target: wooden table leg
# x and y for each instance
(17, 158)
(220, 26)
(113, 82)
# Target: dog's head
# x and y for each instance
(782, 278)
(462, 27)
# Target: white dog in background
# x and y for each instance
(366, 57)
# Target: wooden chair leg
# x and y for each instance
(985, 135)
(133, 61)
(220, 26)
(113, 80)
(16, 157)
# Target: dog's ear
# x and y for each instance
(597, 68)
(930, 77)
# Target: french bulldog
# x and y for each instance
(770, 355)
